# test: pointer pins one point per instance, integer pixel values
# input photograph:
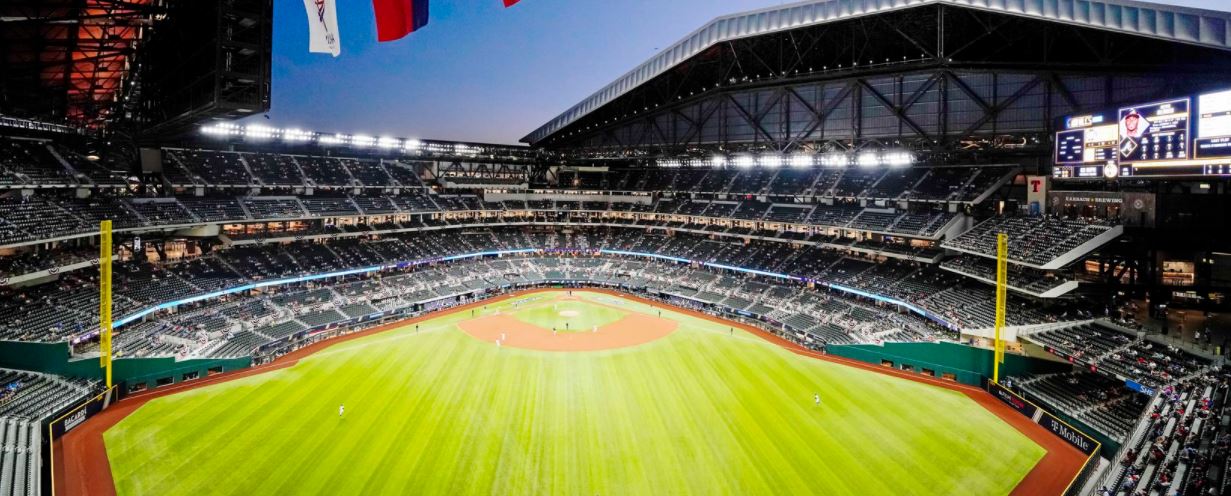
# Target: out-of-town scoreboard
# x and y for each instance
(1186, 136)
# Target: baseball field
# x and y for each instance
(623, 397)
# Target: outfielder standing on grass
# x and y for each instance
(817, 398)
(341, 410)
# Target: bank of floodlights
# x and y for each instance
(297, 135)
(835, 160)
(260, 132)
(797, 160)
(897, 159)
(868, 159)
(770, 161)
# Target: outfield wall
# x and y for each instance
(1110, 446)
(1075, 435)
(967, 364)
(54, 358)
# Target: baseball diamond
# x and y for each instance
(694, 411)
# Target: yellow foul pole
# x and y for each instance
(104, 298)
(1002, 281)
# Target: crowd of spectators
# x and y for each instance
(1035, 240)
(27, 401)
(67, 308)
(1182, 446)
(1033, 281)
(1102, 402)
(25, 219)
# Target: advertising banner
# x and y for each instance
(1078, 439)
(1012, 399)
(83, 412)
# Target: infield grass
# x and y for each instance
(568, 315)
(438, 412)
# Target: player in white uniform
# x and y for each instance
(341, 410)
(817, 398)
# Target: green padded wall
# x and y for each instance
(969, 364)
(54, 358)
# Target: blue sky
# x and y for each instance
(478, 71)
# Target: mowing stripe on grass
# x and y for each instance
(697, 412)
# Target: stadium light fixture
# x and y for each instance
(256, 131)
(801, 160)
(387, 142)
(296, 135)
(362, 141)
(835, 160)
(745, 161)
(336, 139)
(771, 161)
(898, 159)
(222, 129)
(411, 145)
(718, 161)
(868, 159)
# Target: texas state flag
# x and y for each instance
(398, 18)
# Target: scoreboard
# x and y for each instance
(1171, 137)
(1213, 125)
(1087, 139)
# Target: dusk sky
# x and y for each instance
(477, 71)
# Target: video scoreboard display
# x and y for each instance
(1087, 139)
(1176, 137)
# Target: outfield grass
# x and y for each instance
(578, 315)
(438, 412)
